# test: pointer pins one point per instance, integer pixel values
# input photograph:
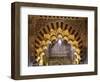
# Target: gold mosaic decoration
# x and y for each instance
(52, 35)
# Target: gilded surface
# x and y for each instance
(57, 40)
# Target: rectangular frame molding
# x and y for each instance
(15, 39)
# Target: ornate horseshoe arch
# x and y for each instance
(52, 32)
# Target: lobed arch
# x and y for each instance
(51, 32)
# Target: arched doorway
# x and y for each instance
(57, 44)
